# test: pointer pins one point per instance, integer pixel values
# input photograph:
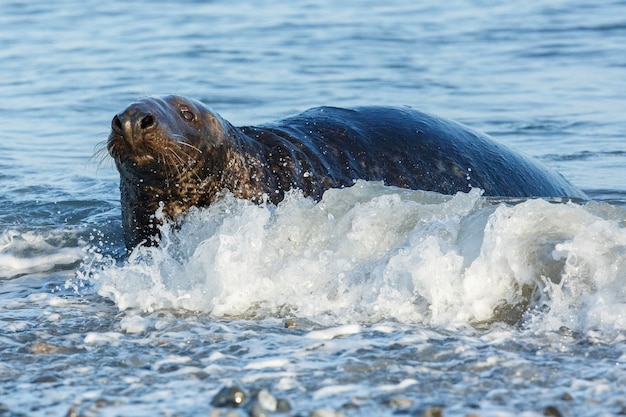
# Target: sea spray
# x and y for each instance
(369, 253)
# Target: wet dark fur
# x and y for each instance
(176, 153)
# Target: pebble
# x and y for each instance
(325, 412)
(232, 396)
(551, 411)
(47, 378)
(300, 323)
(266, 400)
(432, 412)
(283, 406)
(45, 348)
(261, 403)
(399, 402)
(224, 413)
(257, 411)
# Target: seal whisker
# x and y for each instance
(189, 164)
(174, 157)
(179, 157)
(190, 146)
(101, 153)
(172, 162)
(184, 159)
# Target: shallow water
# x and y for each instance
(374, 301)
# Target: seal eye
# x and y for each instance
(187, 114)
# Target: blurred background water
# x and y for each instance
(402, 301)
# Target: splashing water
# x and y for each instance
(371, 252)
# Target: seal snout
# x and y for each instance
(132, 123)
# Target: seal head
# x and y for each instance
(172, 153)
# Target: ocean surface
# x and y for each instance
(374, 301)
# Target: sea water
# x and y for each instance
(374, 300)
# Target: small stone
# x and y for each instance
(229, 397)
(266, 400)
(258, 411)
(224, 413)
(551, 411)
(290, 324)
(432, 412)
(567, 397)
(399, 402)
(325, 412)
(283, 406)
(44, 348)
(44, 379)
(103, 403)
(350, 406)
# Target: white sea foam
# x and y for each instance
(29, 252)
(372, 252)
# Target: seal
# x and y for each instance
(174, 153)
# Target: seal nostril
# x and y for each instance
(147, 121)
(116, 123)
